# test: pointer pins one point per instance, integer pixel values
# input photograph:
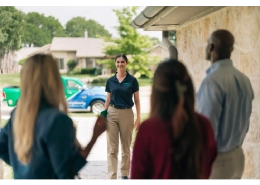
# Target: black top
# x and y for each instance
(122, 93)
(54, 153)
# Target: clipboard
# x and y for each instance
(103, 113)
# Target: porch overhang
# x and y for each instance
(169, 18)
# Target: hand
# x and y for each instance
(100, 126)
(137, 124)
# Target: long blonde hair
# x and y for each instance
(40, 78)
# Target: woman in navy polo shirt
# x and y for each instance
(120, 89)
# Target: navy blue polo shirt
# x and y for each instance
(122, 93)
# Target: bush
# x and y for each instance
(71, 64)
(22, 61)
(143, 76)
(77, 71)
(99, 81)
(89, 71)
(98, 71)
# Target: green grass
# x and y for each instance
(8, 170)
(9, 79)
(144, 81)
(3, 122)
(143, 117)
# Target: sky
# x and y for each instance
(99, 10)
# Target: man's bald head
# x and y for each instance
(221, 43)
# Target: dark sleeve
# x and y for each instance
(107, 87)
(4, 139)
(64, 154)
(135, 85)
(140, 159)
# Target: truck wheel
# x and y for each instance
(97, 106)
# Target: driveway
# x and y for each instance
(96, 168)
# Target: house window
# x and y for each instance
(89, 62)
(61, 63)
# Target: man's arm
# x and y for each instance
(209, 102)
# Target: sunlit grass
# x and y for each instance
(9, 79)
(143, 117)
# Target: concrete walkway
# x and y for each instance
(96, 168)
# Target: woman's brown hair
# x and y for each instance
(40, 79)
(172, 100)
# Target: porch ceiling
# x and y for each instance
(163, 18)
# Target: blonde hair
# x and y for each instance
(40, 79)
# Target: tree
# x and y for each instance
(137, 47)
(11, 31)
(77, 26)
(71, 64)
(40, 30)
(155, 40)
(11, 21)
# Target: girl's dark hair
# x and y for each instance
(186, 147)
(121, 55)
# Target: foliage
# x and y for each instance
(107, 63)
(137, 47)
(11, 29)
(77, 26)
(40, 30)
(22, 61)
(89, 71)
(102, 81)
(155, 40)
(71, 64)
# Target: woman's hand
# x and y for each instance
(137, 124)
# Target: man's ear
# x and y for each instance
(211, 47)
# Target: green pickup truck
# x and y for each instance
(79, 96)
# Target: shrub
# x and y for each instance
(22, 61)
(98, 71)
(71, 64)
(99, 81)
(90, 71)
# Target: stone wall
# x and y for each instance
(244, 23)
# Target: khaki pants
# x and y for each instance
(229, 165)
(120, 122)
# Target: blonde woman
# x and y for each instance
(39, 139)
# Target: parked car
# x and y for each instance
(79, 96)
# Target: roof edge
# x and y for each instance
(148, 13)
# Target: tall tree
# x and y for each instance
(40, 30)
(77, 26)
(11, 31)
(131, 43)
(11, 21)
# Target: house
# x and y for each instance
(161, 51)
(193, 25)
(85, 51)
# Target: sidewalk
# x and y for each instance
(96, 168)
